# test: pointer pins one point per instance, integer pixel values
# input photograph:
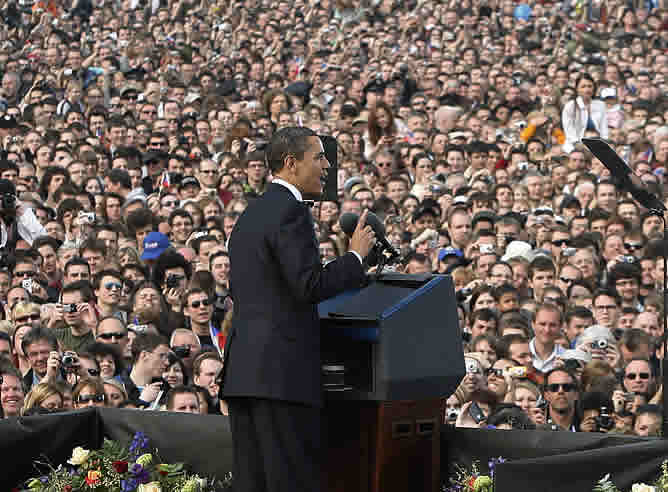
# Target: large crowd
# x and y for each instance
(132, 139)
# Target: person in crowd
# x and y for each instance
(183, 399)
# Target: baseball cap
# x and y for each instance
(154, 244)
(517, 248)
(189, 181)
(608, 93)
(450, 251)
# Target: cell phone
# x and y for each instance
(476, 413)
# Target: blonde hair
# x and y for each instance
(39, 393)
(25, 308)
(527, 385)
(116, 384)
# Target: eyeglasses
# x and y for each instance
(567, 387)
(560, 242)
(30, 317)
(204, 302)
(213, 171)
(109, 336)
(567, 280)
(609, 307)
(632, 375)
(94, 372)
(89, 398)
(113, 285)
(633, 246)
(169, 203)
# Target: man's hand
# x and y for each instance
(52, 366)
(150, 392)
(88, 315)
(174, 297)
(363, 237)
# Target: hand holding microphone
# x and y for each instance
(350, 224)
(363, 236)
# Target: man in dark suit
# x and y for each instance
(272, 364)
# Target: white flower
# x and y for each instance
(641, 487)
(149, 487)
(79, 456)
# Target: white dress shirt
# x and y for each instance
(297, 194)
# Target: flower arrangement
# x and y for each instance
(660, 485)
(472, 480)
(117, 468)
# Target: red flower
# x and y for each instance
(163, 472)
(120, 466)
(471, 482)
(68, 488)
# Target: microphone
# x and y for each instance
(619, 170)
(348, 223)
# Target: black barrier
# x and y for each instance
(539, 460)
(25, 440)
(554, 461)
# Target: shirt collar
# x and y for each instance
(293, 189)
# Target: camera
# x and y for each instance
(568, 252)
(86, 218)
(69, 308)
(27, 285)
(599, 344)
(69, 360)
(604, 420)
(472, 367)
(139, 329)
(486, 249)
(173, 281)
(8, 201)
(628, 259)
(452, 414)
(164, 385)
(571, 364)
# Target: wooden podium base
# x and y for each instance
(381, 446)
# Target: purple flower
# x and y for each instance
(44, 479)
(129, 485)
(141, 475)
(139, 443)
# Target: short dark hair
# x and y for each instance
(169, 259)
(77, 260)
(82, 286)
(594, 400)
(146, 342)
(179, 390)
(37, 334)
(290, 140)
(105, 273)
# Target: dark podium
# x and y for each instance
(390, 351)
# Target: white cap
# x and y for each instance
(608, 92)
(517, 248)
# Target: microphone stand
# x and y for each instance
(664, 359)
(383, 260)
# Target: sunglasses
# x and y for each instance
(30, 317)
(567, 280)
(113, 285)
(89, 398)
(567, 387)
(633, 246)
(560, 242)
(204, 302)
(496, 372)
(109, 336)
(632, 375)
(24, 274)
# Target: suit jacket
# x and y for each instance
(276, 281)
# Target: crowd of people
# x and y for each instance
(133, 137)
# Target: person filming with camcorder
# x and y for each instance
(17, 220)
